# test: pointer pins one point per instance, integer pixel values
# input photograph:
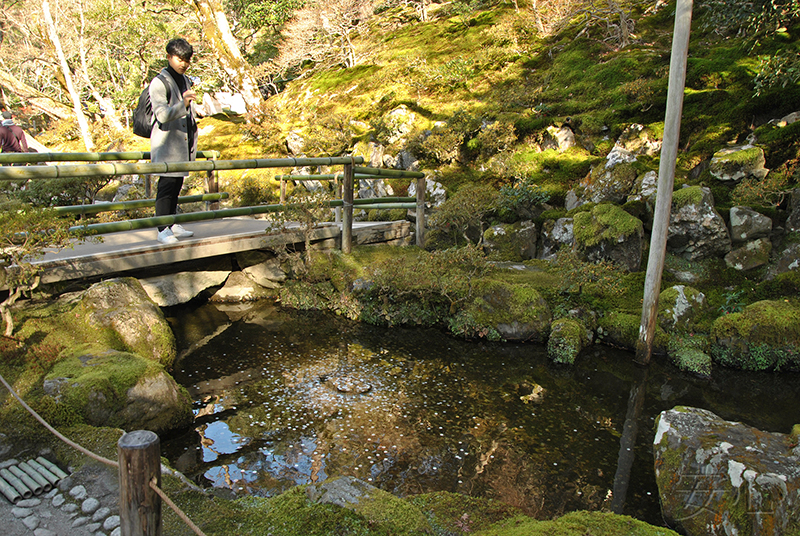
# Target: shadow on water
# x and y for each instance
(284, 398)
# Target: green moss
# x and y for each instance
(687, 196)
(622, 329)
(567, 339)
(606, 222)
(577, 524)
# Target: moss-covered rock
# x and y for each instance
(517, 312)
(764, 336)
(576, 524)
(718, 477)
(567, 338)
(678, 306)
(622, 330)
(118, 389)
(609, 233)
(688, 353)
(511, 242)
(123, 317)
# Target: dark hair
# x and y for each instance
(180, 47)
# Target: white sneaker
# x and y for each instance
(166, 236)
(180, 232)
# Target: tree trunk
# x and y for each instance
(217, 32)
(76, 99)
(34, 97)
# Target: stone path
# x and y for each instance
(83, 504)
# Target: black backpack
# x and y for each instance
(143, 114)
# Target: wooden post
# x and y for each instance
(212, 187)
(337, 185)
(148, 189)
(666, 181)
(347, 209)
(283, 191)
(139, 455)
(420, 229)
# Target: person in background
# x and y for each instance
(8, 122)
(9, 141)
(174, 134)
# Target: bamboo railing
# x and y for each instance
(350, 171)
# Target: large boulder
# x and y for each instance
(511, 242)
(717, 477)
(764, 336)
(125, 318)
(733, 164)
(174, 289)
(608, 233)
(696, 230)
(118, 389)
(558, 138)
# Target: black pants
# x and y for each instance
(167, 197)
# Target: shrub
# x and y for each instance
(519, 198)
(467, 209)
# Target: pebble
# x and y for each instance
(69, 508)
(29, 503)
(78, 493)
(58, 500)
(19, 513)
(101, 514)
(79, 522)
(31, 522)
(116, 532)
(111, 523)
(90, 505)
(44, 532)
(93, 527)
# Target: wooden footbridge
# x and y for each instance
(130, 247)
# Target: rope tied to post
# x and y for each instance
(99, 458)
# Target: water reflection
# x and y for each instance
(286, 398)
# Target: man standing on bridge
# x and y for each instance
(174, 134)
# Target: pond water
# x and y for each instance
(284, 398)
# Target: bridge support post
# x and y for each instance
(420, 229)
(347, 209)
(212, 187)
(139, 455)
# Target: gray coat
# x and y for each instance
(169, 140)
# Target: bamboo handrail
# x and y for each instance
(30, 158)
(138, 203)
(160, 168)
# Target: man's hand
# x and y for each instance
(188, 96)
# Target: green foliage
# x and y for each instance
(733, 302)
(769, 191)
(444, 144)
(466, 209)
(577, 276)
(497, 137)
(521, 197)
(688, 353)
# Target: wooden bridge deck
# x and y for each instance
(129, 252)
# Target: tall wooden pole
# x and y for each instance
(139, 455)
(666, 180)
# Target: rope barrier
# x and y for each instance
(175, 508)
(99, 458)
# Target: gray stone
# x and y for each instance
(111, 523)
(733, 164)
(80, 521)
(747, 224)
(793, 221)
(435, 194)
(295, 143)
(20, 513)
(267, 274)
(373, 188)
(612, 181)
(750, 256)
(556, 234)
(239, 288)
(116, 532)
(511, 242)
(101, 513)
(31, 522)
(44, 532)
(93, 527)
(696, 230)
(788, 259)
(398, 123)
(78, 493)
(637, 139)
(70, 508)
(558, 138)
(175, 289)
(90, 505)
(29, 503)
(717, 477)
